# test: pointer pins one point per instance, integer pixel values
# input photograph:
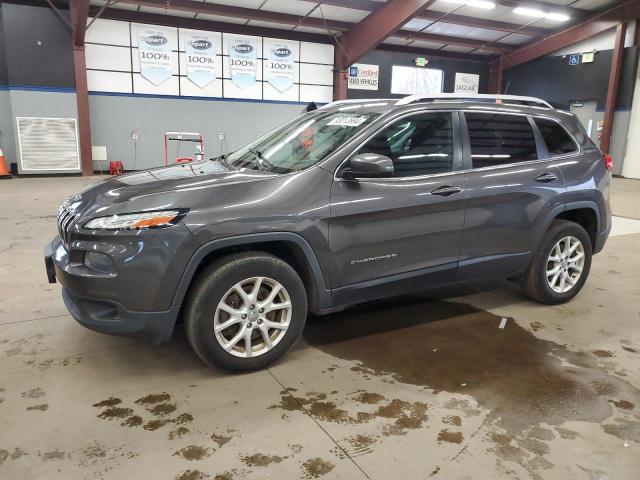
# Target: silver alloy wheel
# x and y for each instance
(252, 317)
(565, 264)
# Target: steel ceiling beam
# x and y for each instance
(194, 7)
(208, 25)
(600, 22)
(468, 21)
(476, 22)
(377, 27)
(457, 41)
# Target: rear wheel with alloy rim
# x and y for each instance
(245, 311)
(560, 268)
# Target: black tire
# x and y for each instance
(535, 282)
(211, 286)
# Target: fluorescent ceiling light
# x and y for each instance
(534, 12)
(560, 17)
(486, 4)
(528, 12)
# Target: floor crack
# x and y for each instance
(320, 426)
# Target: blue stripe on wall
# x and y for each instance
(28, 88)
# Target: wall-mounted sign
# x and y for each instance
(200, 53)
(243, 61)
(363, 77)
(421, 62)
(600, 125)
(588, 57)
(155, 54)
(416, 81)
(574, 59)
(467, 83)
(281, 66)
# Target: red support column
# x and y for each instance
(614, 82)
(495, 76)
(340, 75)
(84, 119)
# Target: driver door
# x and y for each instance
(403, 231)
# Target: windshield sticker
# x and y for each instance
(348, 121)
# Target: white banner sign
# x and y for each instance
(243, 61)
(155, 54)
(200, 54)
(415, 80)
(281, 66)
(467, 83)
(363, 77)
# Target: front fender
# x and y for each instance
(322, 299)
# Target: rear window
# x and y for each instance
(558, 141)
(498, 139)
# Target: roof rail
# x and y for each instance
(507, 99)
(359, 100)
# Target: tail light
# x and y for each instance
(608, 161)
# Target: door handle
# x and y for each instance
(547, 178)
(446, 190)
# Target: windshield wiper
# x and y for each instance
(262, 160)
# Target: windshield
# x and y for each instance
(301, 143)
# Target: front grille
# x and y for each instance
(66, 216)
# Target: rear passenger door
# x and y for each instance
(514, 184)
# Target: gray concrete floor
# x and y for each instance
(411, 388)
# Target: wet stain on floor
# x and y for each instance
(155, 404)
(194, 452)
(192, 475)
(317, 467)
(221, 439)
(450, 437)
(522, 380)
(162, 409)
(108, 402)
(361, 444)
(404, 415)
(261, 460)
(602, 353)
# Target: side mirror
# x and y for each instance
(368, 165)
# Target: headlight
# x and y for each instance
(135, 221)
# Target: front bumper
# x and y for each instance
(104, 315)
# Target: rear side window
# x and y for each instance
(558, 141)
(421, 144)
(498, 139)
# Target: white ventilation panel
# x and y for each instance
(48, 145)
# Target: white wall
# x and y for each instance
(113, 66)
(603, 41)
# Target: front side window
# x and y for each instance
(558, 141)
(498, 139)
(301, 143)
(418, 145)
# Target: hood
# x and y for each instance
(176, 180)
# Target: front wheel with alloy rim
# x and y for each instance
(245, 311)
(560, 268)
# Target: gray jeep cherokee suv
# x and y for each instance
(352, 202)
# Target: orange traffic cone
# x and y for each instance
(4, 169)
